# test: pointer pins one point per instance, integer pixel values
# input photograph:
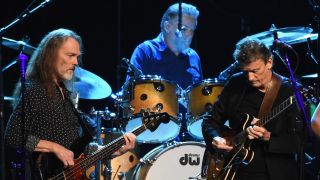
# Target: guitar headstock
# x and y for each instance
(152, 120)
(310, 94)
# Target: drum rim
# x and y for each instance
(173, 145)
(151, 78)
(214, 81)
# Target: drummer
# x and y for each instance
(169, 54)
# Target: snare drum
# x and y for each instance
(177, 161)
(154, 94)
(200, 98)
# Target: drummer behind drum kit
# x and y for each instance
(152, 93)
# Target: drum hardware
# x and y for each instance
(208, 107)
(206, 90)
(103, 167)
(158, 86)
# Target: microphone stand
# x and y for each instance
(301, 106)
(3, 30)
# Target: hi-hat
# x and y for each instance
(16, 45)
(310, 76)
(90, 86)
(288, 34)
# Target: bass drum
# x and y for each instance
(200, 98)
(178, 161)
(155, 94)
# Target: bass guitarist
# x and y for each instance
(247, 149)
(44, 122)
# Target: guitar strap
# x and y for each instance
(270, 95)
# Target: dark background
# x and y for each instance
(111, 29)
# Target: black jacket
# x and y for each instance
(279, 152)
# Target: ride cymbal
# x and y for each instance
(17, 45)
(90, 86)
(290, 35)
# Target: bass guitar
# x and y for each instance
(53, 169)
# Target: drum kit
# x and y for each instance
(153, 93)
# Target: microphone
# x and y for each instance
(226, 74)
(137, 72)
(279, 45)
(178, 33)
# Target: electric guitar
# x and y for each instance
(222, 165)
(53, 169)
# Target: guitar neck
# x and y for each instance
(240, 137)
(276, 111)
(109, 149)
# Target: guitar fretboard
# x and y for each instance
(276, 111)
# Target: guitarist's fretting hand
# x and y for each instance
(221, 144)
(130, 140)
(257, 132)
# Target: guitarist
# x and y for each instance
(276, 144)
(45, 122)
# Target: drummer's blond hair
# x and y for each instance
(173, 11)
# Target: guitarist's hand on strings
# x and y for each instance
(258, 132)
(221, 144)
(130, 140)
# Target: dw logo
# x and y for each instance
(192, 159)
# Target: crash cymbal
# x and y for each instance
(304, 38)
(16, 45)
(286, 34)
(310, 76)
(90, 86)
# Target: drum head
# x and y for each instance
(178, 161)
(163, 133)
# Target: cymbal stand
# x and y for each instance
(97, 170)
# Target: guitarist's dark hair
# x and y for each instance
(249, 50)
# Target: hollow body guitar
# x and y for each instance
(222, 165)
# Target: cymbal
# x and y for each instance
(7, 98)
(90, 86)
(13, 44)
(286, 34)
(304, 38)
(310, 76)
